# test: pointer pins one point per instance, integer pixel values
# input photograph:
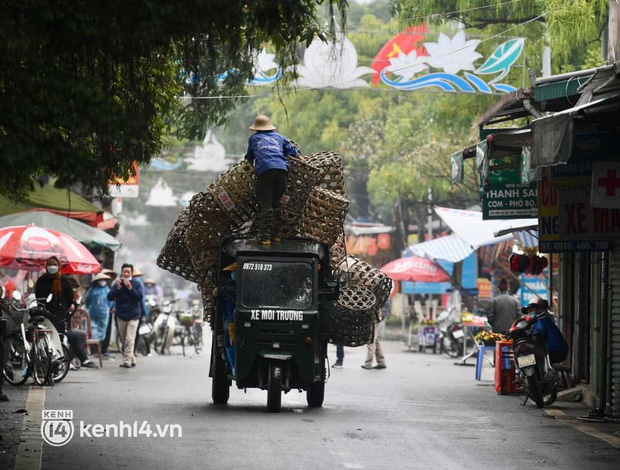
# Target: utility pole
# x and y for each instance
(429, 222)
(546, 55)
(613, 32)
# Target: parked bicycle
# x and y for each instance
(192, 323)
(28, 348)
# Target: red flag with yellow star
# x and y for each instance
(404, 42)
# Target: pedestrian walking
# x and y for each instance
(339, 356)
(503, 309)
(127, 294)
(98, 306)
(267, 151)
(374, 349)
(105, 344)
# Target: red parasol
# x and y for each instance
(27, 247)
(416, 269)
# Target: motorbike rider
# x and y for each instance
(557, 348)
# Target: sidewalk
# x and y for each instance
(11, 420)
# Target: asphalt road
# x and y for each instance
(422, 412)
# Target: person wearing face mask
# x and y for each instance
(127, 293)
(60, 307)
(98, 306)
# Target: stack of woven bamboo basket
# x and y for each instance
(313, 207)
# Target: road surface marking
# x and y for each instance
(609, 438)
(29, 451)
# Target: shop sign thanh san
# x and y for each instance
(510, 201)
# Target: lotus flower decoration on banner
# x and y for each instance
(405, 63)
(453, 55)
(266, 71)
(332, 65)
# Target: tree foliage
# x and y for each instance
(87, 88)
(570, 25)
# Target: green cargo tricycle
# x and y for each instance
(272, 319)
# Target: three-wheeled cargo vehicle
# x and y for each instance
(272, 318)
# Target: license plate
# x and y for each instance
(525, 361)
(458, 334)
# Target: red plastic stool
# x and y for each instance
(504, 367)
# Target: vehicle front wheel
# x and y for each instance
(274, 388)
(60, 365)
(220, 386)
(15, 368)
(316, 393)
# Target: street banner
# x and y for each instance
(126, 188)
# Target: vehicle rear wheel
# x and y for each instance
(533, 387)
(60, 365)
(220, 386)
(42, 361)
(16, 362)
(551, 397)
(316, 393)
(274, 388)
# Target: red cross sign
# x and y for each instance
(606, 185)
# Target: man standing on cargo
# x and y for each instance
(268, 150)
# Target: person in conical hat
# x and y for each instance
(267, 151)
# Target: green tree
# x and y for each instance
(87, 88)
(573, 27)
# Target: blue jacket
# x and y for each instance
(128, 301)
(96, 302)
(268, 150)
(546, 327)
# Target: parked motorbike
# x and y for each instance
(451, 333)
(539, 379)
(165, 328)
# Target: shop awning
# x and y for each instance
(59, 201)
(553, 136)
(82, 232)
(470, 227)
(451, 248)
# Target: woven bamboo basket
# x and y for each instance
(322, 217)
(302, 177)
(352, 317)
(358, 272)
(208, 225)
(235, 193)
(174, 256)
(332, 170)
(337, 252)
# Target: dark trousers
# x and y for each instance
(108, 332)
(77, 340)
(339, 352)
(270, 187)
